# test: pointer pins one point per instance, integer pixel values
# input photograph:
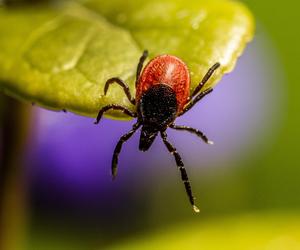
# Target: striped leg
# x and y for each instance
(124, 138)
(114, 107)
(205, 79)
(180, 165)
(193, 131)
(140, 66)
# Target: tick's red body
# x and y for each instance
(169, 70)
(162, 94)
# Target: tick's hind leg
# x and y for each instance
(140, 66)
(205, 79)
(114, 107)
(124, 138)
(193, 131)
(197, 95)
(192, 102)
(180, 165)
(122, 84)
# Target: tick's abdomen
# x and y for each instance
(170, 71)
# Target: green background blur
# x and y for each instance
(277, 172)
(268, 217)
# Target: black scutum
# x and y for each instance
(158, 106)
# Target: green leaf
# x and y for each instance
(60, 56)
(254, 231)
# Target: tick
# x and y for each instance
(162, 94)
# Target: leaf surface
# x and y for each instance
(60, 57)
(246, 232)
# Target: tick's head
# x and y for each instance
(148, 134)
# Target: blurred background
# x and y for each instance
(57, 192)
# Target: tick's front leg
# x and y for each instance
(124, 138)
(180, 166)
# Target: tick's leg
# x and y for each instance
(114, 107)
(193, 131)
(197, 95)
(140, 66)
(205, 79)
(192, 102)
(122, 84)
(184, 176)
(124, 138)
